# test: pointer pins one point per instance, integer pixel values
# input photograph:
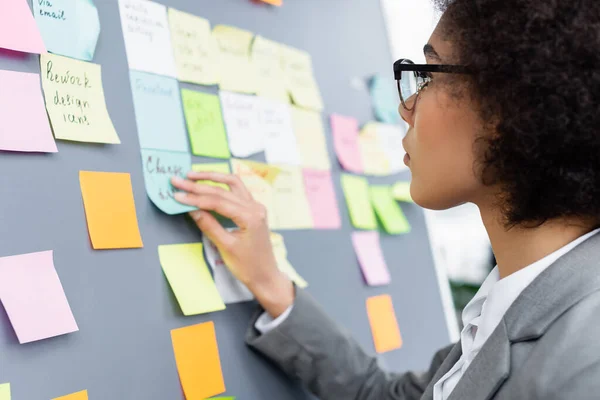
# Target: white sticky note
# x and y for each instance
(240, 113)
(280, 142)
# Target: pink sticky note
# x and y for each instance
(24, 123)
(368, 250)
(345, 141)
(18, 30)
(321, 197)
(33, 297)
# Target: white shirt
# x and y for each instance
(480, 317)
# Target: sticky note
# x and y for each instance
(368, 251)
(222, 398)
(356, 190)
(274, 2)
(83, 395)
(385, 99)
(75, 100)
(373, 155)
(291, 207)
(284, 265)
(384, 327)
(194, 48)
(322, 199)
(387, 209)
(69, 27)
(258, 179)
(223, 168)
(198, 362)
(147, 37)
(240, 113)
(18, 30)
(33, 297)
(236, 72)
(276, 124)
(401, 192)
(300, 80)
(190, 279)
(158, 112)
(265, 57)
(110, 210)
(5, 391)
(345, 140)
(25, 125)
(390, 137)
(310, 138)
(205, 124)
(159, 167)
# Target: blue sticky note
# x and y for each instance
(158, 112)
(159, 167)
(384, 96)
(68, 27)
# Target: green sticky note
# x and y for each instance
(356, 190)
(5, 391)
(401, 192)
(190, 278)
(205, 124)
(213, 167)
(389, 212)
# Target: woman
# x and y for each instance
(506, 116)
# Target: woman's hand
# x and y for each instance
(248, 251)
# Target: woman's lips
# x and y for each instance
(407, 160)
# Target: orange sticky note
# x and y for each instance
(384, 327)
(273, 2)
(83, 395)
(198, 362)
(110, 210)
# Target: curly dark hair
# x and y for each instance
(537, 85)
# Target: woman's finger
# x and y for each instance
(234, 211)
(234, 183)
(202, 189)
(209, 225)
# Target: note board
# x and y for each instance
(121, 300)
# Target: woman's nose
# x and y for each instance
(408, 116)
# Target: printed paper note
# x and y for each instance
(310, 138)
(83, 395)
(384, 96)
(69, 27)
(190, 279)
(159, 167)
(270, 79)
(389, 212)
(356, 190)
(158, 112)
(401, 192)
(390, 138)
(291, 207)
(236, 73)
(198, 362)
(194, 48)
(283, 263)
(18, 30)
(384, 327)
(241, 116)
(147, 37)
(25, 124)
(213, 167)
(369, 254)
(374, 156)
(322, 199)
(300, 80)
(205, 124)
(110, 210)
(345, 140)
(46, 312)
(258, 179)
(75, 100)
(230, 289)
(280, 141)
(5, 391)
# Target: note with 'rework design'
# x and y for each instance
(345, 140)
(33, 297)
(75, 100)
(369, 254)
(300, 80)
(25, 124)
(384, 326)
(18, 30)
(110, 210)
(270, 79)
(241, 116)
(5, 391)
(322, 199)
(190, 279)
(198, 362)
(356, 190)
(310, 138)
(236, 73)
(389, 212)
(205, 124)
(83, 395)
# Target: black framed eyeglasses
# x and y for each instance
(412, 78)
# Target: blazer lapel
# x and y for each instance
(448, 363)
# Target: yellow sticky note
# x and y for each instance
(83, 395)
(389, 212)
(356, 190)
(300, 80)
(212, 167)
(110, 210)
(5, 391)
(194, 48)
(266, 60)
(373, 154)
(233, 44)
(198, 362)
(310, 138)
(289, 194)
(283, 263)
(190, 278)
(384, 326)
(75, 100)
(401, 192)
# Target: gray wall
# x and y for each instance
(121, 300)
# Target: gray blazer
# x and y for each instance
(547, 346)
